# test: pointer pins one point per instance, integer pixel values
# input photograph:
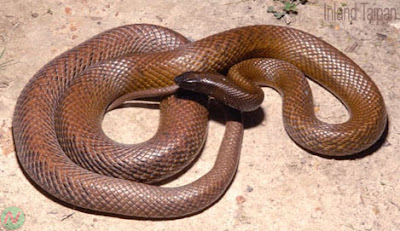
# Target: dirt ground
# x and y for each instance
(278, 186)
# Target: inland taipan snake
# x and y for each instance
(57, 121)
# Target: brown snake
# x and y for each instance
(57, 120)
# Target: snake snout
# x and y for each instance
(187, 78)
(194, 81)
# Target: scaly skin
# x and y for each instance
(64, 103)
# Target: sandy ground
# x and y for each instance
(278, 186)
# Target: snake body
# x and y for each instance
(57, 120)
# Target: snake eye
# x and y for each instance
(187, 78)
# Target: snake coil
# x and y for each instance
(57, 119)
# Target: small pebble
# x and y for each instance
(352, 47)
(381, 36)
(240, 200)
(68, 11)
(73, 28)
(34, 15)
(386, 144)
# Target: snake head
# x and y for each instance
(200, 82)
(190, 81)
(219, 87)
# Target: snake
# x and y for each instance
(57, 122)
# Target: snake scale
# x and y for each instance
(57, 120)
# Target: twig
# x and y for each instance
(68, 216)
(396, 205)
(6, 63)
(2, 52)
(242, 1)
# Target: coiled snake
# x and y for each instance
(57, 119)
